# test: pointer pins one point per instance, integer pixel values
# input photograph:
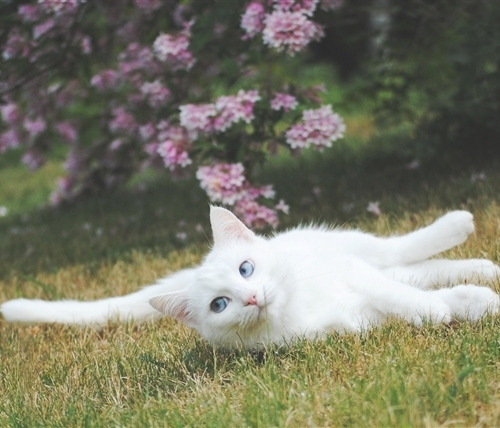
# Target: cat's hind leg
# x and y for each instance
(384, 296)
(470, 302)
(438, 273)
(446, 232)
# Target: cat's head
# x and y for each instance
(229, 300)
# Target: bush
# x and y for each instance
(196, 87)
(440, 70)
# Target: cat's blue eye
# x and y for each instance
(219, 304)
(246, 269)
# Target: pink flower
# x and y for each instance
(155, 93)
(374, 208)
(479, 176)
(34, 127)
(173, 146)
(226, 111)
(67, 131)
(147, 131)
(307, 7)
(256, 192)
(8, 140)
(282, 206)
(222, 182)
(197, 117)
(290, 31)
(148, 6)
(255, 215)
(226, 184)
(86, 45)
(59, 6)
(74, 161)
(122, 121)
(33, 160)
(105, 79)
(10, 113)
(252, 20)
(43, 28)
(63, 191)
(234, 108)
(136, 58)
(115, 144)
(319, 127)
(174, 51)
(16, 45)
(283, 101)
(29, 13)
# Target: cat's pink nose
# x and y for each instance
(251, 301)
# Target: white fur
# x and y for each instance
(133, 307)
(306, 282)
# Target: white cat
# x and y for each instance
(251, 291)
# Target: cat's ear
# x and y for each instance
(226, 227)
(176, 305)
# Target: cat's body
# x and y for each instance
(251, 291)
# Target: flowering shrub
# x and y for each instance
(318, 127)
(127, 85)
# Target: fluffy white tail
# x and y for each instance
(133, 306)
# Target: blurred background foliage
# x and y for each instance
(417, 81)
(432, 64)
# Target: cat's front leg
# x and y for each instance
(446, 232)
(384, 297)
(437, 273)
(470, 302)
(419, 308)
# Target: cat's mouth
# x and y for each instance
(261, 311)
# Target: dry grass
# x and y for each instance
(163, 374)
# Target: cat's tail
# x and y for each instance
(131, 307)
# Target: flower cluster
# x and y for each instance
(59, 6)
(319, 127)
(226, 183)
(222, 182)
(219, 116)
(286, 102)
(34, 127)
(174, 50)
(135, 61)
(10, 113)
(252, 20)
(287, 27)
(106, 79)
(155, 93)
(122, 121)
(141, 102)
(197, 117)
(290, 31)
(173, 146)
(148, 6)
(234, 108)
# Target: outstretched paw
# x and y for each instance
(470, 302)
(455, 227)
(432, 309)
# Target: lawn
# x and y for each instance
(162, 374)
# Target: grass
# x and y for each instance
(163, 374)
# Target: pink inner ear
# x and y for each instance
(226, 227)
(174, 305)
